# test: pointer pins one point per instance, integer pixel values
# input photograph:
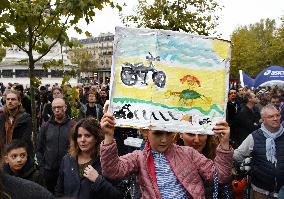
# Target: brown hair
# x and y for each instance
(92, 126)
(57, 88)
(209, 151)
(18, 94)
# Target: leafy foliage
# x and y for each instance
(71, 96)
(194, 16)
(2, 53)
(38, 25)
(84, 59)
(257, 46)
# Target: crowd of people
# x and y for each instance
(84, 156)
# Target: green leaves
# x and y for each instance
(257, 46)
(2, 53)
(53, 63)
(37, 25)
(194, 16)
(84, 59)
(37, 22)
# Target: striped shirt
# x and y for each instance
(168, 184)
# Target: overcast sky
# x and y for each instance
(234, 14)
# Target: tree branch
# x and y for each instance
(39, 21)
(13, 42)
(38, 35)
(53, 44)
(48, 7)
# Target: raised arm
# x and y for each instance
(113, 166)
(223, 161)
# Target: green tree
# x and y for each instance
(84, 59)
(255, 47)
(37, 25)
(2, 53)
(279, 54)
(193, 16)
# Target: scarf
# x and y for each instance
(10, 124)
(9, 128)
(270, 143)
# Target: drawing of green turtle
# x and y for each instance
(189, 95)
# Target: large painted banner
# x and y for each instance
(171, 81)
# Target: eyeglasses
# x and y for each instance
(57, 107)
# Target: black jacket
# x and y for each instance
(245, 122)
(264, 174)
(70, 185)
(53, 143)
(85, 111)
(28, 172)
(233, 108)
(22, 129)
(18, 188)
(26, 103)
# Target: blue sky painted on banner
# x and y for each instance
(171, 49)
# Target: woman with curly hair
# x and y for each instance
(80, 172)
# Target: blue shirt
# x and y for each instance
(168, 184)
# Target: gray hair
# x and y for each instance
(267, 107)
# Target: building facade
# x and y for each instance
(14, 67)
(102, 50)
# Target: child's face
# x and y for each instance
(16, 158)
(160, 140)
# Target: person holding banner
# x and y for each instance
(164, 169)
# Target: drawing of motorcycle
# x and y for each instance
(130, 72)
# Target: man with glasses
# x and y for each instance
(53, 142)
(57, 92)
(265, 146)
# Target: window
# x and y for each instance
(22, 73)
(40, 73)
(7, 73)
(56, 73)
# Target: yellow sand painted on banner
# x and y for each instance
(211, 81)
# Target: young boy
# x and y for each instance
(165, 170)
(19, 164)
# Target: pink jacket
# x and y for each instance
(189, 166)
